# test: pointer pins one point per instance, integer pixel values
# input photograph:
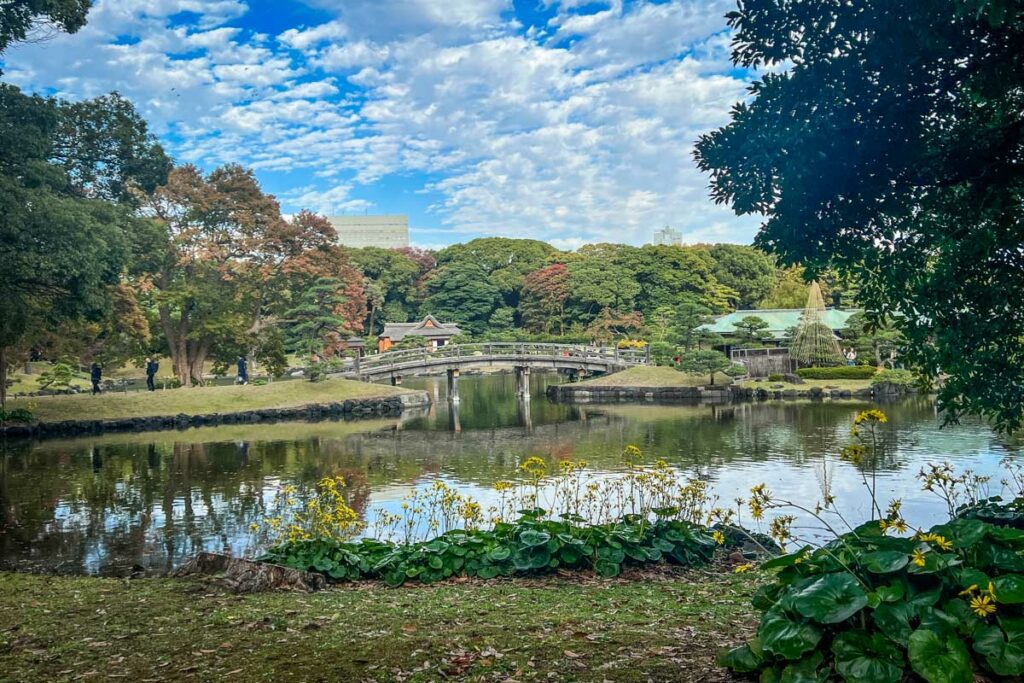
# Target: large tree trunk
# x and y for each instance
(196, 357)
(176, 332)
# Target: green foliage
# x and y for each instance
(57, 376)
(22, 415)
(461, 291)
(893, 156)
(939, 605)
(747, 270)
(318, 323)
(63, 253)
(840, 372)
(18, 17)
(776, 377)
(529, 546)
(751, 329)
(704, 363)
(901, 378)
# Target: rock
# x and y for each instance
(248, 576)
(793, 378)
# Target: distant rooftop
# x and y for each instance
(428, 327)
(779, 320)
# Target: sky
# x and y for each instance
(569, 121)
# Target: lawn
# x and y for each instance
(660, 626)
(654, 377)
(199, 400)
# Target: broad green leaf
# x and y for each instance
(831, 598)
(532, 538)
(1009, 589)
(1003, 651)
(782, 636)
(939, 659)
(893, 620)
(743, 659)
(884, 561)
(805, 671)
(606, 568)
(867, 658)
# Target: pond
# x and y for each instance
(120, 503)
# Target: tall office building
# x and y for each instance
(388, 232)
(668, 236)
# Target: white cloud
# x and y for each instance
(579, 131)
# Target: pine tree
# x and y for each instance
(317, 321)
(815, 344)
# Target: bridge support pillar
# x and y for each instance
(453, 385)
(523, 381)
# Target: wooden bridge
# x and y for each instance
(575, 359)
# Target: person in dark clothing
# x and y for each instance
(96, 374)
(243, 372)
(151, 367)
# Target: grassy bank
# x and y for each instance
(662, 627)
(654, 377)
(199, 400)
(841, 384)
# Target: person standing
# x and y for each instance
(243, 372)
(151, 367)
(95, 374)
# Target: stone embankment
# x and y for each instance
(582, 393)
(348, 409)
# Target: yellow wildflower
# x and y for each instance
(873, 415)
(918, 558)
(942, 542)
(743, 568)
(719, 537)
(969, 590)
(983, 605)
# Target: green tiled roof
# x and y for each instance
(779, 320)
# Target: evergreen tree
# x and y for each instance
(317, 323)
(815, 344)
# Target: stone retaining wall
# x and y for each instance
(348, 409)
(578, 393)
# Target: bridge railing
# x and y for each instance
(512, 350)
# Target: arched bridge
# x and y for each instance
(575, 358)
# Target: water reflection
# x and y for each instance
(109, 504)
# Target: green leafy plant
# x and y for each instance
(776, 377)
(58, 376)
(904, 379)
(22, 415)
(883, 601)
(531, 545)
(841, 372)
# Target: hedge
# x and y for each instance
(842, 372)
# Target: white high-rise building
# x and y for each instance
(668, 236)
(388, 232)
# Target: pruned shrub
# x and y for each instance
(901, 378)
(841, 372)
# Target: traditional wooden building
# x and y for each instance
(435, 332)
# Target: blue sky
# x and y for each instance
(565, 120)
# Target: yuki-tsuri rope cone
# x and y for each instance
(815, 344)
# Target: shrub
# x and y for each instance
(58, 376)
(841, 372)
(23, 415)
(868, 606)
(663, 353)
(901, 378)
(877, 604)
(529, 546)
(776, 377)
